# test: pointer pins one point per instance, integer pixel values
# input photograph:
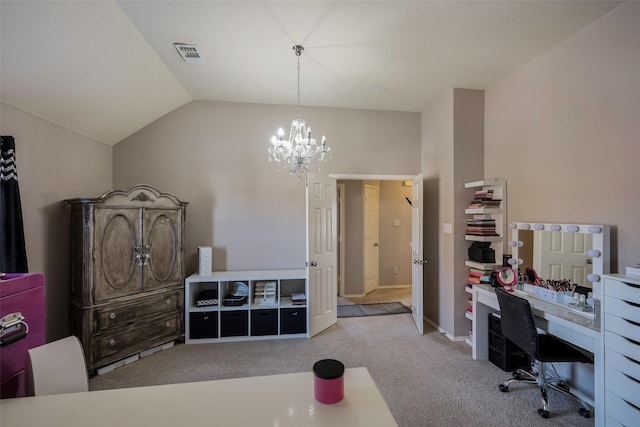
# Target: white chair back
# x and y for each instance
(56, 367)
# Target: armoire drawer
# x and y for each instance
(137, 339)
(122, 315)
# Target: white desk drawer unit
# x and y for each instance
(621, 325)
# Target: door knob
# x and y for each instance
(314, 264)
(375, 244)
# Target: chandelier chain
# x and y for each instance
(297, 153)
(298, 54)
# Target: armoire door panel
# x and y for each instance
(162, 245)
(117, 269)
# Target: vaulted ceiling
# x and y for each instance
(108, 68)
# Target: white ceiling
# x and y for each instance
(108, 68)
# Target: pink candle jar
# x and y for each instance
(328, 381)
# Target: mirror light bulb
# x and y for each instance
(594, 253)
(573, 228)
(593, 277)
(513, 226)
(512, 261)
(595, 229)
(539, 226)
(513, 243)
(520, 261)
(555, 227)
(525, 226)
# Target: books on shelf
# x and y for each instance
(481, 225)
(298, 298)
(479, 276)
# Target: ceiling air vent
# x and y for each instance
(190, 53)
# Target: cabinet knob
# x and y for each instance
(112, 342)
(112, 316)
(168, 301)
(168, 324)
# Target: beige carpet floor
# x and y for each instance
(426, 380)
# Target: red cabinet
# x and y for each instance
(20, 293)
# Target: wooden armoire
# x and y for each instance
(127, 272)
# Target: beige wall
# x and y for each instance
(453, 133)
(468, 131)
(564, 130)
(53, 164)
(214, 156)
(394, 240)
(353, 238)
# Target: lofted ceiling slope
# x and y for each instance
(108, 68)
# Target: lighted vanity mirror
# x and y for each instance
(575, 252)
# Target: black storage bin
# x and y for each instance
(502, 352)
(293, 320)
(203, 325)
(234, 323)
(264, 322)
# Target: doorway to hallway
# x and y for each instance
(374, 233)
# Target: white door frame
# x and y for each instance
(368, 246)
(341, 256)
(360, 177)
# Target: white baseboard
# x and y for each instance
(353, 295)
(443, 332)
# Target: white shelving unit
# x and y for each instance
(264, 315)
(498, 242)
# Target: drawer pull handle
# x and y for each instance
(168, 324)
(112, 316)
(112, 342)
(13, 327)
(168, 301)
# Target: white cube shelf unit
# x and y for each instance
(269, 311)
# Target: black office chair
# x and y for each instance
(518, 325)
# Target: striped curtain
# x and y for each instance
(13, 254)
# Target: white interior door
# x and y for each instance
(371, 239)
(562, 255)
(417, 253)
(322, 298)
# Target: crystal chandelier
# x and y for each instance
(298, 152)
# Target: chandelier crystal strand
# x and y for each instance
(297, 153)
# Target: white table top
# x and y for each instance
(544, 308)
(273, 401)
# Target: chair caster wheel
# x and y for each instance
(543, 413)
(516, 375)
(584, 412)
(503, 388)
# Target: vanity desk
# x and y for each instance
(541, 246)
